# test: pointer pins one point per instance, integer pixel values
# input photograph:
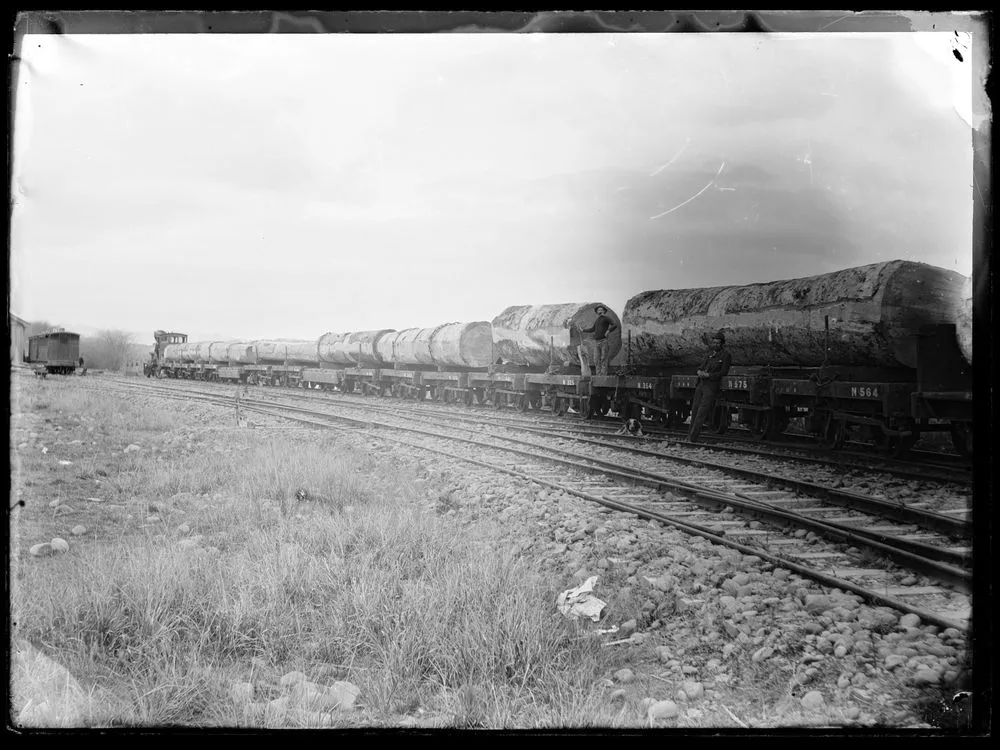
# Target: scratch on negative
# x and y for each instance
(672, 158)
(679, 205)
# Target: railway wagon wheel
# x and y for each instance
(670, 418)
(597, 406)
(560, 406)
(894, 446)
(764, 425)
(629, 410)
(961, 439)
(833, 433)
(719, 420)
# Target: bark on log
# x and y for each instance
(218, 352)
(536, 335)
(875, 313)
(242, 353)
(963, 321)
(461, 345)
(293, 351)
(357, 348)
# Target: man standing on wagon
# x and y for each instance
(710, 374)
(597, 342)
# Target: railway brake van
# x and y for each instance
(58, 352)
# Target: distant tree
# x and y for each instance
(116, 345)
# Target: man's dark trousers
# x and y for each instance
(701, 406)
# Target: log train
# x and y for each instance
(880, 353)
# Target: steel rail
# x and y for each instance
(844, 498)
(924, 558)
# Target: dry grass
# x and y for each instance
(363, 578)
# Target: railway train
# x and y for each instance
(880, 353)
(56, 352)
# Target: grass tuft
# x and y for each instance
(416, 609)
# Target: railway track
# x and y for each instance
(951, 472)
(911, 559)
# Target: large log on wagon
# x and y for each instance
(875, 313)
(292, 351)
(358, 348)
(188, 352)
(242, 353)
(463, 345)
(202, 351)
(963, 321)
(218, 352)
(410, 347)
(172, 352)
(536, 335)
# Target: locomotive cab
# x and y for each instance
(162, 338)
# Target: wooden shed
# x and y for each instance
(18, 338)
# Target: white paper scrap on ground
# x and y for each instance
(580, 602)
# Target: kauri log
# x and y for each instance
(874, 314)
(537, 335)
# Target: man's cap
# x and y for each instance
(600, 307)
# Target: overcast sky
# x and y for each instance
(262, 186)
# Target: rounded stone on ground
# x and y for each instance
(78, 530)
(291, 678)
(694, 690)
(624, 675)
(55, 503)
(617, 695)
(813, 700)
(278, 705)
(665, 709)
(926, 677)
(41, 550)
(909, 621)
(59, 544)
(894, 660)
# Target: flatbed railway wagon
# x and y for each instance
(56, 352)
(878, 353)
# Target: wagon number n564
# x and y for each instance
(864, 391)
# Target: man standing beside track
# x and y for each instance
(597, 343)
(710, 375)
